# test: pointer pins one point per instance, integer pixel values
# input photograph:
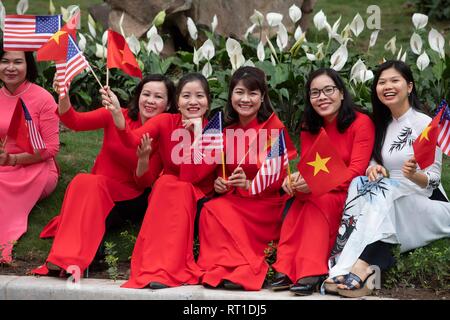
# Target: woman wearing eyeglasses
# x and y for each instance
(311, 224)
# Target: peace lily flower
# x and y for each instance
(134, 44)
(237, 60)
(257, 18)
(319, 54)
(249, 63)
(158, 20)
(282, 37)
(155, 44)
(272, 59)
(208, 50)
(403, 58)
(260, 51)
(339, 58)
(271, 47)
(22, 7)
(122, 16)
(311, 57)
(332, 31)
(357, 25)
(437, 42)
(295, 13)
(249, 30)
(399, 54)
(151, 32)
(207, 70)
(214, 24)
(197, 56)
(419, 20)
(416, 43)
(105, 37)
(91, 26)
(51, 7)
(390, 45)
(2, 15)
(320, 20)
(234, 51)
(82, 42)
(356, 69)
(100, 51)
(274, 18)
(423, 61)
(298, 33)
(192, 29)
(373, 38)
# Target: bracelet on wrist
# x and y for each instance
(14, 160)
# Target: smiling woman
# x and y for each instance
(25, 177)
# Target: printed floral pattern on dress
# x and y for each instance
(403, 139)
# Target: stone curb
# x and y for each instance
(48, 288)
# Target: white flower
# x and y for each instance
(419, 20)
(155, 44)
(134, 44)
(105, 37)
(332, 32)
(320, 20)
(416, 43)
(249, 30)
(339, 58)
(403, 58)
(91, 25)
(2, 15)
(260, 51)
(249, 63)
(437, 42)
(207, 70)
(234, 51)
(390, 45)
(298, 33)
(82, 42)
(373, 38)
(214, 24)
(257, 18)
(272, 59)
(158, 20)
(282, 37)
(237, 60)
(232, 45)
(122, 17)
(271, 47)
(399, 54)
(197, 56)
(319, 54)
(151, 32)
(311, 57)
(274, 18)
(423, 61)
(100, 51)
(295, 13)
(51, 7)
(208, 50)
(22, 7)
(357, 25)
(192, 29)
(356, 69)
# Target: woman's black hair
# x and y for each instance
(381, 114)
(312, 121)
(133, 109)
(32, 72)
(253, 79)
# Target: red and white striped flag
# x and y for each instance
(443, 140)
(35, 136)
(210, 139)
(29, 32)
(66, 70)
(270, 172)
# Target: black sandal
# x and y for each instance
(356, 287)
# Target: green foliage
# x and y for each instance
(426, 267)
(111, 260)
(438, 9)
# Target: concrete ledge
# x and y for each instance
(48, 288)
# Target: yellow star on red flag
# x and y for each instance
(424, 134)
(319, 164)
(57, 35)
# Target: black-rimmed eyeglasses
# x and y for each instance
(327, 90)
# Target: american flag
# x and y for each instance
(28, 32)
(270, 171)
(67, 70)
(35, 136)
(444, 128)
(210, 139)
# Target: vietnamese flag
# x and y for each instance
(120, 55)
(18, 129)
(322, 167)
(56, 47)
(425, 144)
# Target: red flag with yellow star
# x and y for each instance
(425, 144)
(56, 47)
(120, 56)
(322, 167)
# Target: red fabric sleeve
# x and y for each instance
(86, 121)
(152, 126)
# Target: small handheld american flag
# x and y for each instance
(35, 136)
(67, 70)
(270, 171)
(210, 139)
(29, 32)
(444, 128)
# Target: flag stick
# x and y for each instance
(223, 166)
(107, 76)
(95, 76)
(289, 174)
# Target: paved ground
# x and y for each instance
(48, 288)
